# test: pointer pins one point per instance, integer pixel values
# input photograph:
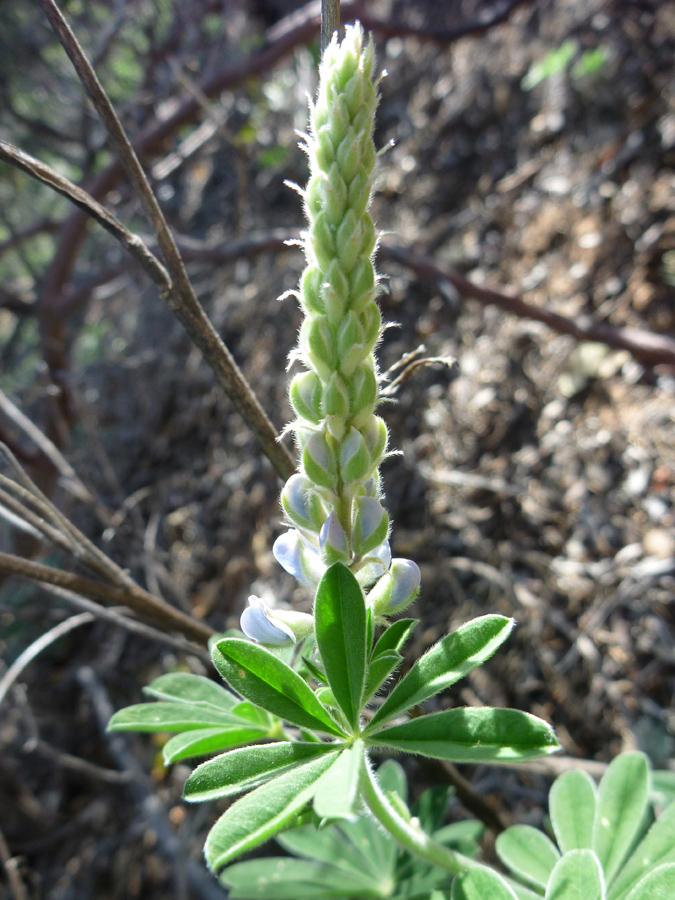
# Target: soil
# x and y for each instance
(537, 475)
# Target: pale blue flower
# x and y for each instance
(260, 625)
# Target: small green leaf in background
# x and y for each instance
(572, 809)
(623, 800)
(658, 885)
(577, 876)
(240, 770)
(205, 741)
(475, 734)
(260, 815)
(395, 636)
(284, 878)
(184, 687)
(481, 884)
(340, 627)
(265, 680)
(336, 795)
(555, 62)
(657, 848)
(528, 853)
(445, 663)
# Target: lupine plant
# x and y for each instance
(304, 712)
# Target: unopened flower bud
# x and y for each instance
(305, 396)
(335, 400)
(371, 524)
(333, 542)
(318, 460)
(299, 558)
(396, 589)
(354, 458)
(302, 504)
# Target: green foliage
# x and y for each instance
(607, 851)
(355, 859)
(590, 63)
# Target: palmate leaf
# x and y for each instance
(240, 770)
(656, 849)
(266, 681)
(528, 853)
(444, 664)
(577, 876)
(258, 816)
(472, 735)
(340, 627)
(572, 803)
(623, 800)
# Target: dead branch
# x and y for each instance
(136, 599)
(181, 297)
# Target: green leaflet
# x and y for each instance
(481, 884)
(184, 687)
(658, 885)
(265, 680)
(444, 664)
(572, 807)
(169, 717)
(655, 849)
(472, 735)
(577, 876)
(394, 637)
(258, 816)
(528, 853)
(379, 670)
(240, 770)
(205, 741)
(340, 627)
(623, 800)
(282, 878)
(336, 794)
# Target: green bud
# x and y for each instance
(339, 120)
(358, 194)
(334, 195)
(322, 148)
(317, 341)
(354, 93)
(348, 157)
(354, 458)
(362, 387)
(305, 396)
(335, 293)
(322, 240)
(314, 196)
(371, 324)
(349, 333)
(376, 435)
(310, 290)
(335, 398)
(349, 240)
(302, 504)
(336, 428)
(361, 284)
(319, 460)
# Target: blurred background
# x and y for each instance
(531, 148)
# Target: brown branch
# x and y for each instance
(330, 21)
(136, 599)
(131, 242)
(181, 298)
(648, 348)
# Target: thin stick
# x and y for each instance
(181, 298)
(330, 21)
(10, 863)
(37, 647)
(138, 600)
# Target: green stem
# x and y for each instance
(406, 833)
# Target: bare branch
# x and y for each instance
(181, 298)
(87, 204)
(136, 599)
(330, 21)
